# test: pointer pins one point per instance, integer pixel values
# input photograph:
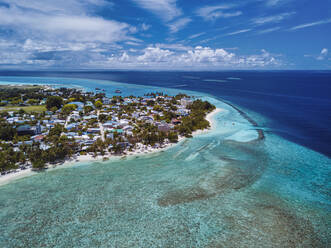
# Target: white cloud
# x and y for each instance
(193, 36)
(70, 27)
(145, 27)
(167, 10)
(273, 2)
(154, 54)
(311, 24)
(261, 60)
(179, 24)
(269, 30)
(51, 32)
(323, 54)
(324, 51)
(206, 54)
(272, 19)
(155, 57)
(68, 33)
(217, 11)
(238, 32)
(58, 6)
(133, 43)
(177, 46)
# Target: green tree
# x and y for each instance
(56, 130)
(103, 118)
(68, 108)
(173, 137)
(7, 132)
(98, 104)
(54, 101)
(88, 109)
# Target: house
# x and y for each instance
(59, 121)
(110, 124)
(80, 105)
(123, 123)
(110, 135)
(183, 112)
(147, 118)
(28, 142)
(89, 117)
(106, 100)
(127, 128)
(74, 116)
(123, 145)
(93, 130)
(185, 101)
(44, 147)
(175, 121)
(164, 127)
(71, 126)
(38, 138)
(89, 142)
(117, 131)
(25, 130)
(37, 128)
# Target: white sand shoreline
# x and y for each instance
(4, 179)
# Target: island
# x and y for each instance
(42, 125)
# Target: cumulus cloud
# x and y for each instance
(155, 57)
(154, 54)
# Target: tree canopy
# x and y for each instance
(54, 101)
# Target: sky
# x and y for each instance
(165, 34)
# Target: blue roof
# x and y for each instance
(79, 104)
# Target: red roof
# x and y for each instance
(39, 137)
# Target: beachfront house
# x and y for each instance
(163, 127)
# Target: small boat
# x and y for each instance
(118, 91)
(97, 88)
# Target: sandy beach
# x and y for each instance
(4, 179)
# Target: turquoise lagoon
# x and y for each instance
(224, 188)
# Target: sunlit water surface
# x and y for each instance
(209, 191)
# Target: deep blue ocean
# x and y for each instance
(295, 104)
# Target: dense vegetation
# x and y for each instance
(196, 120)
(54, 102)
(16, 95)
